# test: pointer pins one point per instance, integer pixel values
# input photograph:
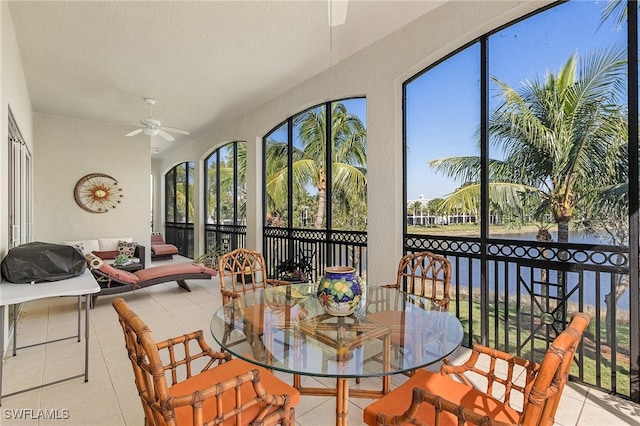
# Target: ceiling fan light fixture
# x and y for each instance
(153, 127)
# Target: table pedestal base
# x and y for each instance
(342, 394)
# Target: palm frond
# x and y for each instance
(467, 198)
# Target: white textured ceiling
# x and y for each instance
(205, 62)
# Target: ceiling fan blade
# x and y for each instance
(166, 135)
(174, 130)
(135, 132)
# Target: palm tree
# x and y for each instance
(184, 182)
(348, 146)
(224, 188)
(415, 207)
(560, 138)
(616, 9)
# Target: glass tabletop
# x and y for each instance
(285, 328)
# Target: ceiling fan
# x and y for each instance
(151, 127)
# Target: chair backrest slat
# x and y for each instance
(241, 271)
(425, 274)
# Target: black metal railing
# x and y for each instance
(318, 248)
(224, 238)
(528, 293)
(518, 301)
(181, 236)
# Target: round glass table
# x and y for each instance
(285, 328)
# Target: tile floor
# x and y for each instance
(109, 397)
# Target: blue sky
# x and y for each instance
(443, 104)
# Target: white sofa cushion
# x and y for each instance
(87, 246)
(111, 244)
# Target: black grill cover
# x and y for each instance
(40, 262)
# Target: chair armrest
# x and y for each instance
(140, 253)
(506, 362)
(422, 396)
(185, 357)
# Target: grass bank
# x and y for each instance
(473, 230)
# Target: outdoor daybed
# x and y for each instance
(113, 281)
(160, 249)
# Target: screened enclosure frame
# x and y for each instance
(581, 269)
(222, 237)
(299, 244)
(180, 232)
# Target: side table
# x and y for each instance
(131, 267)
(11, 294)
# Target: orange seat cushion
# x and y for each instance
(224, 372)
(157, 239)
(398, 400)
(160, 249)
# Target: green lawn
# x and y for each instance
(590, 372)
(471, 229)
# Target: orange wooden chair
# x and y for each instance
(424, 274)
(241, 273)
(507, 382)
(207, 387)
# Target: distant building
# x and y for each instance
(419, 214)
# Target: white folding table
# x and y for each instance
(12, 294)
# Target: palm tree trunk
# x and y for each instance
(322, 202)
(563, 231)
(563, 255)
(544, 236)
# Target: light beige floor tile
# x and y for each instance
(23, 371)
(133, 417)
(113, 421)
(594, 415)
(569, 411)
(20, 409)
(85, 406)
(127, 394)
(612, 409)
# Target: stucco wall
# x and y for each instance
(377, 72)
(14, 95)
(69, 149)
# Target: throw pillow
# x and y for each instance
(94, 261)
(106, 254)
(126, 248)
(107, 244)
